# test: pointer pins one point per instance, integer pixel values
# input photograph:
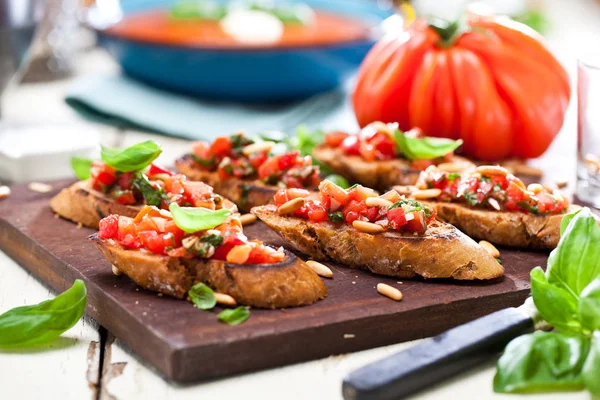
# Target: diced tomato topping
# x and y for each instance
(421, 165)
(103, 176)
(157, 242)
(158, 170)
(287, 161)
(109, 227)
(396, 218)
(284, 195)
(221, 147)
(201, 150)
(124, 181)
(351, 145)
(334, 139)
(125, 197)
(269, 168)
(418, 224)
(316, 212)
(330, 189)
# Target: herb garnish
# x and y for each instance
(30, 325)
(567, 296)
(234, 316)
(336, 216)
(133, 158)
(82, 167)
(425, 148)
(452, 176)
(194, 219)
(212, 239)
(531, 208)
(338, 180)
(202, 296)
(415, 206)
(205, 162)
(153, 196)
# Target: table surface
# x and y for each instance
(88, 363)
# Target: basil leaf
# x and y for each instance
(202, 296)
(194, 9)
(133, 158)
(541, 362)
(152, 196)
(336, 216)
(82, 167)
(30, 325)
(425, 148)
(338, 180)
(194, 219)
(591, 368)
(589, 306)
(575, 262)
(234, 316)
(566, 220)
(557, 306)
(306, 140)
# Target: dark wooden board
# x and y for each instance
(186, 344)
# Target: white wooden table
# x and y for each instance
(88, 363)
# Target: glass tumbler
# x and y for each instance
(588, 130)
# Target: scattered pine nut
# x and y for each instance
(116, 271)
(426, 194)
(389, 291)
(257, 147)
(4, 192)
(349, 335)
(225, 299)
(320, 269)
(189, 242)
(524, 169)
(391, 196)
(367, 227)
(494, 170)
(494, 203)
(490, 248)
(247, 219)
(562, 184)
(535, 188)
(377, 202)
(160, 295)
(79, 225)
(39, 187)
(56, 216)
(451, 167)
(290, 206)
(405, 190)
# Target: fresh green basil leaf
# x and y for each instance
(557, 306)
(566, 220)
(575, 262)
(589, 306)
(194, 219)
(273, 136)
(591, 368)
(82, 167)
(234, 316)
(306, 140)
(195, 9)
(425, 148)
(133, 158)
(152, 196)
(542, 362)
(30, 325)
(202, 296)
(338, 180)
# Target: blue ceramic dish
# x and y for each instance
(248, 75)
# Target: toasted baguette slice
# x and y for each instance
(443, 252)
(82, 204)
(514, 229)
(244, 193)
(380, 175)
(287, 284)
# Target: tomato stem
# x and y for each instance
(449, 31)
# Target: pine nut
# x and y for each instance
(525, 169)
(189, 242)
(389, 291)
(377, 202)
(494, 203)
(225, 299)
(562, 184)
(494, 170)
(257, 147)
(367, 227)
(248, 219)
(536, 188)
(116, 271)
(426, 194)
(320, 269)
(391, 196)
(490, 248)
(451, 167)
(39, 187)
(405, 190)
(4, 192)
(290, 206)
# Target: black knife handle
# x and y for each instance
(436, 358)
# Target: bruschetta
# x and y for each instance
(380, 156)
(385, 234)
(160, 256)
(245, 172)
(109, 191)
(491, 204)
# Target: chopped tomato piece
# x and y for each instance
(334, 139)
(269, 168)
(102, 176)
(125, 180)
(351, 145)
(158, 170)
(221, 147)
(284, 195)
(421, 165)
(109, 227)
(201, 150)
(287, 161)
(125, 197)
(157, 242)
(396, 218)
(239, 254)
(417, 224)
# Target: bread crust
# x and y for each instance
(503, 228)
(287, 284)
(244, 193)
(443, 252)
(380, 175)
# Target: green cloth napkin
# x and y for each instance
(121, 101)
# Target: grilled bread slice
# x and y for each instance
(443, 252)
(245, 193)
(82, 204)
(287, 284)
(515, 229)
(380, 175)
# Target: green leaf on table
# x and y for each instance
(425, 148)
(589, 307)
(194, 219)
(338, 180)
(542, 362)
(43, 322)
(591, 368)
(133, 158)
(195, 9)
(234, 316)
(82, 167)
(202, 296)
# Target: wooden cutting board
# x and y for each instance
(186, 344)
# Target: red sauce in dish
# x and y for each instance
(159, 27)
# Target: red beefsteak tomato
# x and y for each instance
(488, 80)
